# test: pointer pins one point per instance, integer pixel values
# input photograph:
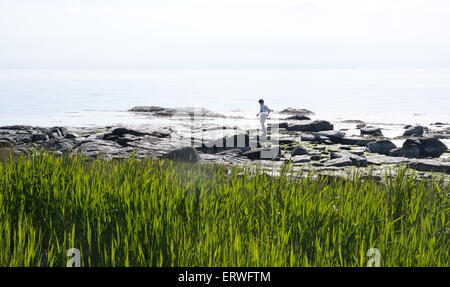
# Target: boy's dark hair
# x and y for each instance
(261, 101)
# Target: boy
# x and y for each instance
(264, 112)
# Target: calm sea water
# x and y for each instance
(99, 97)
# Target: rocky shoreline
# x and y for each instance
(199, 135)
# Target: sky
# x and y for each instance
(224, 34)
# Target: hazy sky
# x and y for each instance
(226, 33)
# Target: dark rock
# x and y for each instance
(147, 109)
(39, 137)
(96, 148)
(311, 126)
(125, 131)
(187, 154)
(345, 158)
(420, 147)
(381, 147)
(395, 152)
(283, 125)
(71, 135)
(429, 165)
(299, 150)
(24, 140)
(346, 161)
(357, 152)
(432, 147)
(359, 126)
(293, 111)
(63, 145)
(315, 156)
(339, 162)
(417, 130)
(410, 148)
(159, 134)
(371, 131)
(263, 153)
(298, 118)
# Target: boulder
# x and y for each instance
(299, 150)
(416, 130)
(432, 147)
(381, 147)
(311, 126)
(410, 149)
(420, 147)
(187, 154)
(371, 131)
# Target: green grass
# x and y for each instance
(160, 213)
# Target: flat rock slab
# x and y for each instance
(310, 126)
(301, 159)
(380, 159)
(429, 165)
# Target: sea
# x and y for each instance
(63, 97)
